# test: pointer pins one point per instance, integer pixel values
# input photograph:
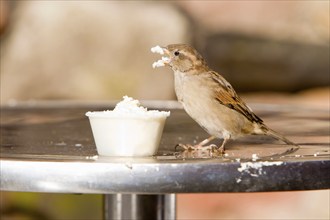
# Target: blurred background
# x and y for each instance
(271, 51)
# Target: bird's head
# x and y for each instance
(182, 58)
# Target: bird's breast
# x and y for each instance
(178, 85)
(196, 93)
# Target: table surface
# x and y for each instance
(49, 147)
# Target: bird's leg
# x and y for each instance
(222, 147)
(207, 140)
(199, 146)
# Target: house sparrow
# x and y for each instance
(209, 99)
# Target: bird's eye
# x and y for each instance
(176, 53)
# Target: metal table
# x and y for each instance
(49, 147)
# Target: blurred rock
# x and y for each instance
(295, 21)
(264, 45)
(88, 50)
(256, 64)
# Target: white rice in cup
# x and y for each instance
(128, 130)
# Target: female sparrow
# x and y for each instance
(209, 99)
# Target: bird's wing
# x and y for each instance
(226, 95)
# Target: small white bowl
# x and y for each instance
(127, 134)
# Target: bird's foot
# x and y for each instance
(189, 147)
(198, 151)
(221, 150)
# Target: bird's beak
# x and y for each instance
(167, 58)
(165, 61)
(166, 51)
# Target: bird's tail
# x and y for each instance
(264, 130)
(279, 137)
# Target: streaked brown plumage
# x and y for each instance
(210, 100)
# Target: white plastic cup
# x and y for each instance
(126, 136)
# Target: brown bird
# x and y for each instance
(209, 98)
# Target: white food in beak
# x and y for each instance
(157, 49)
(160, 63)
(163, 61)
